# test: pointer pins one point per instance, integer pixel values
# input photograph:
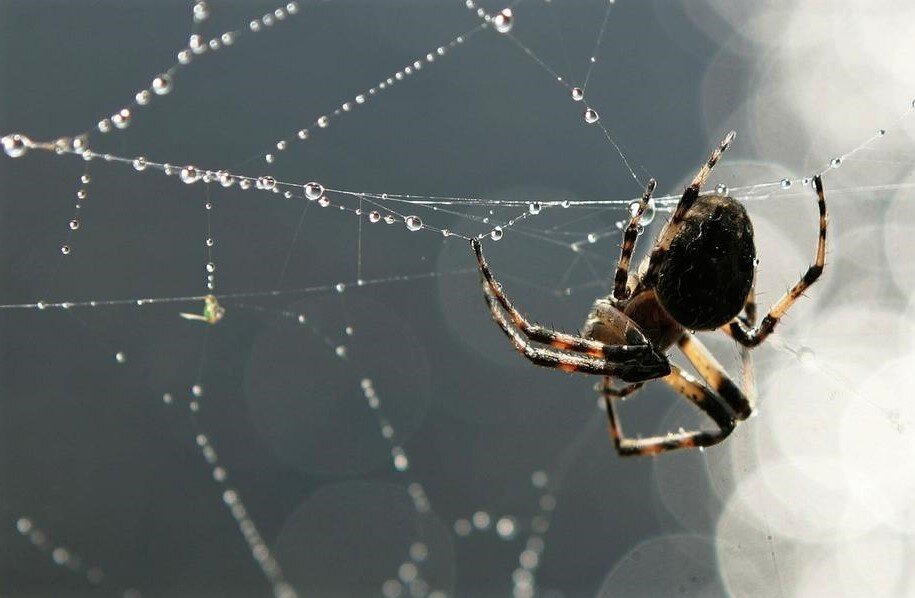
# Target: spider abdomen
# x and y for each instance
(709, 266)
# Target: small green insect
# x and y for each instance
(212, 311)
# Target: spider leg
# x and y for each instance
(700, 395)
(715, 376)
(629, 237)
(748, 383)
(686, 202)
(617, 393)
(751, 337)
(642, 352)
(636, 370)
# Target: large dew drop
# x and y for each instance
(162, 84)
(647, 216)
(414, 223)
(591, 116)
(314, 190)
(504, 21)
(16, 145)
(190, 174)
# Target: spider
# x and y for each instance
(699, 276)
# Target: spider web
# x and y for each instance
(355, 411)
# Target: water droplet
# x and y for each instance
(504, 21)
(414, 223)
(592, 238)
(16, 145)
(121, 120)
(209, 242)
(74, 224)
(104, 125)
(649, 213)
(578, 94)
(323, 122)
(162, 84)
(806, 181)
(539, 479)
(80, 143)
(120, 357)
(496, 233)
(323, 201)
(340, 287)
(42, 304)
(786, 183)
(82, 194)
(565, 203)
(481, 520)
(419, 552)
(534, 207)
(314, 190)
(197, 390)
(340, 351)
(266, 182)
(806, 357)
(836, 162)
(184, 57)
(374, 217)
(721, 189)
(201, 12)
(506, 528)
(388, 219)
(391, 589)
(65, 249)
(140, 163)
(189, 175)
(211, 267)
(225, 179)
(591, 116)
(881, 132)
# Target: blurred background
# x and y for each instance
(332, 438)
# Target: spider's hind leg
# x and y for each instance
(700, 396)
(751, 337)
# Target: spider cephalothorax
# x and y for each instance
(698, 276)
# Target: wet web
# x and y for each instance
(318, 337)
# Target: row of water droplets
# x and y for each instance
(231, 498)
(409, 573)
(507, 528)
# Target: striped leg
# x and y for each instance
(622, 392)
(699, 394)
(751, 337)
(748, 383)
(632, 232)
(715, 376)
(632, 371)
(643, 352)
(686, 202)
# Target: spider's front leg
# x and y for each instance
(751, 337)
(635, 360)
(689, 197)
(621, 278)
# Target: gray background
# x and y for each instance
(92, 454)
